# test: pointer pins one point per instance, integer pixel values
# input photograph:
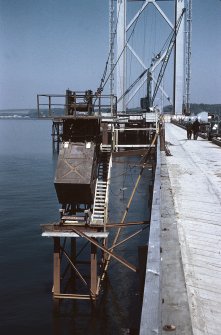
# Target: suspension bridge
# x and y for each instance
(182, 278)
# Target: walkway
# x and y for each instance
(195, 175)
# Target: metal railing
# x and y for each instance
(58, 105)
(151, 308)
(107, 193)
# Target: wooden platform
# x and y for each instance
(195, 174)
(68, 230)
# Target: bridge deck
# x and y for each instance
(195, 176)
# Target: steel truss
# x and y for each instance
(123, 45)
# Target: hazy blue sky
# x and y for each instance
(48, 46)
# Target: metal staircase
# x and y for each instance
(99, 215)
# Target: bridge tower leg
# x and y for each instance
(178, 94)
(122, 45)
(121, 53)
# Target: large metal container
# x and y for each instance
(76, 173)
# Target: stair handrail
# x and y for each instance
(107, 192)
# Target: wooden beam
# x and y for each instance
(93, 268)
(73, 296)
(126, 239)
(57, 266)
(125, 225)
(110, 253)
(135, 152)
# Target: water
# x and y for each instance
(28, 199)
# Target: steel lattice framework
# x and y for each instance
(123, 45)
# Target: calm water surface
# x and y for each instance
(27, 200)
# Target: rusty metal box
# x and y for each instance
(76, 173)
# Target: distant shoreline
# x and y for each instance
(25, 118)
(32, 113)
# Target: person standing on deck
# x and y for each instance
(189, 129)
(196, 128)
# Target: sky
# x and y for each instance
(48, 46)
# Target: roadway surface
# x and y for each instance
(194, 170)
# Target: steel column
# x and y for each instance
(121, 53)
(179, 61)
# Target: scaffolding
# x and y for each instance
(88, 137)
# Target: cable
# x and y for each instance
(119, 56)
(167, 56)
(100, 88)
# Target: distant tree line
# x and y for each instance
(198, 108)
(33, 113)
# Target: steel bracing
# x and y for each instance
(123, 45)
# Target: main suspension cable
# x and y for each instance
(101, 87)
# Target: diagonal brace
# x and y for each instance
(110, 253)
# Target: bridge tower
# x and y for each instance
(178, 94)
(121, 53)
(123, 45)
(188, 56)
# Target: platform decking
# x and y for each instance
(174, 305)
(194, 169)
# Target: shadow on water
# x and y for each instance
(27, 200)
(109, 316)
